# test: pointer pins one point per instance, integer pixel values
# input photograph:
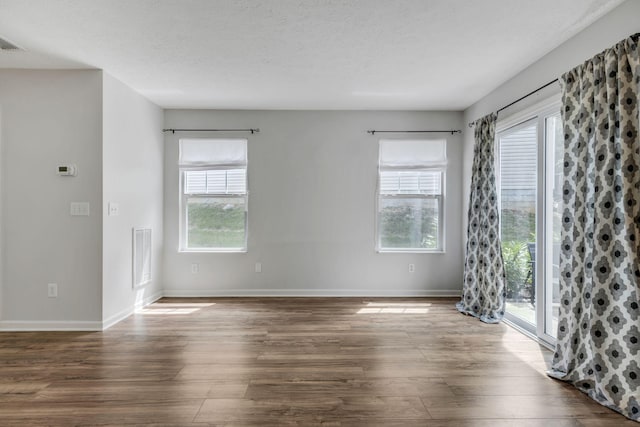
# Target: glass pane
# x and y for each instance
(216, 222)
(408, 223)
(518, 185)
(555, 153)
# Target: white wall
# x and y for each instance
(613, 27)
(50, 118)
(132, 150)
(312, 184)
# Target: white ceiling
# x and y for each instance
(296, 54)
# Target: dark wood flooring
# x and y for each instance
(289, 361)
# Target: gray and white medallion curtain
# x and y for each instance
(483, 294)
(598, 346)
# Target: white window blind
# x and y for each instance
(218, 181)
(412, 154)
(410, 182)
(220, 152)
(519, 159)
(214, 166)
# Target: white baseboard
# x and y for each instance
(328, 293)
(71, 325)
(130, 310)
(80, 326)
(50, 325)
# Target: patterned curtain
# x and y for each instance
(483, 294)
(598, 346)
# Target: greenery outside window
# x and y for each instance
(213, 187)
(411, 178)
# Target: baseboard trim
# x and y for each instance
(49, 326)
(118, 317)
(86, 326)
(203, 293)
(74, 326)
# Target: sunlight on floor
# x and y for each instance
(173, 308)
(395, 308)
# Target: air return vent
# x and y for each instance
(7, 46)
(141, 256)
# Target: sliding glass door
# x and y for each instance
(518, 155)
(530, 180)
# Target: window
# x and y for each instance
(213, 193)
(411, 176)
(529, 155)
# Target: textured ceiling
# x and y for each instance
(296, 54)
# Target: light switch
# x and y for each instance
(79, 208)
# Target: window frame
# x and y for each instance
(184, 199)
(441, 198)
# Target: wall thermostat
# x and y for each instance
(67, 170)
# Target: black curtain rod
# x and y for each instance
(521, 98)
(528, 95)
(373, 132)
(211, 130)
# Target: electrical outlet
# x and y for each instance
(195, 268)
(114, 209)
(412, 268)
(258, 267)
(52, 290)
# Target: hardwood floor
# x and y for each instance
(289, 361)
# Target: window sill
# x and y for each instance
(410, 251)
(213, 251)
